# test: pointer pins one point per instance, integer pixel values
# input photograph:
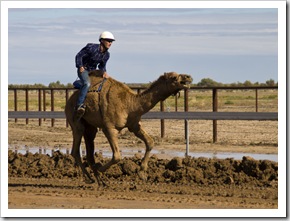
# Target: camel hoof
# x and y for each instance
(100, 178)
(89, 181)
(143, 175)
(144, 167)
(97, 166)
(103, 184)
(99, 175)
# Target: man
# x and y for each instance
(91, 57)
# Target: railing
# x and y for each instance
(53, 114)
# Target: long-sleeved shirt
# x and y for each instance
(91, 57)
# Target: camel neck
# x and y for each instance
(150, 97)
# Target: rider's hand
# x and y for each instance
(81, 69)
(105, 75)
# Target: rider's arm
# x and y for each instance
(85, 52)
(102, 65)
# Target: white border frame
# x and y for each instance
(280, 212)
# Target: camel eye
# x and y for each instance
(174, 77)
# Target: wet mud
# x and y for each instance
(54, 181)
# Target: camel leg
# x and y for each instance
(77, 138)
(89, 150)
(89, 136)
(140, 133)
(112, 136)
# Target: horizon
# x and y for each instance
(140, 83)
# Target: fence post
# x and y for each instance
(186, 110)
(176, 103)
(256, 100)
(39, 105)
(187, 138)
(214, 109)
(26, 103)
(52, 105)
(44, 102)
(15, 102)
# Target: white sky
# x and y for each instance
(224, 44)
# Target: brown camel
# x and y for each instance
(113, 108)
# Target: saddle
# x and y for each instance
(98, 74)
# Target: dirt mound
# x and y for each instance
(178, 170)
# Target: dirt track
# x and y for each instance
(54, 182)
(43, 181)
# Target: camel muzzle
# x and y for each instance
(186, 80)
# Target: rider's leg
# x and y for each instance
(84, 77)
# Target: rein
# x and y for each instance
(98, 91)
(100, 86)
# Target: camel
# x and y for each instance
(113, 108)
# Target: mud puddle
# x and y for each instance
(129, 152)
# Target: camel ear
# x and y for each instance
(165, 75)
(171, 75)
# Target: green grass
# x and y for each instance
(229, 103)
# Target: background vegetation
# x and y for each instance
(205, 82)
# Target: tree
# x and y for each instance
(207, 82)
(248, 83)
(270, 82)
(56, 84)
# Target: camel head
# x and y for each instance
(176, 82)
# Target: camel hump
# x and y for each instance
(95, 76)
(96, 79)
(96, 73)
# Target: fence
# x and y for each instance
(42, 112)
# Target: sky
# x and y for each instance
(225, 44)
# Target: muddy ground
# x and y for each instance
(53, 182)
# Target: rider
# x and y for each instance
(91, 57)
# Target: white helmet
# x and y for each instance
(107, 35)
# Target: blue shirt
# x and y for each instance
(91, 58)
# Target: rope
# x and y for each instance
(100, 87)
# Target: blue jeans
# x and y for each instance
(84, 77)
